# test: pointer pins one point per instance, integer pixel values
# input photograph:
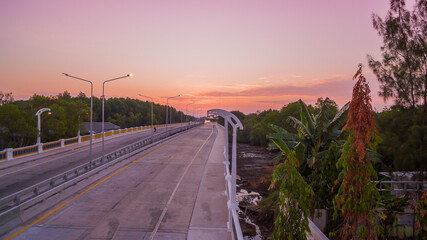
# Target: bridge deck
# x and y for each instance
(174, 191)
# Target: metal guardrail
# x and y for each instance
(51, 145)
(25, 151)
(11, 153)
(12, 201)
(400, 186)
(233, 216)
(71, 141)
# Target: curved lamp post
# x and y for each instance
(91, 113)
(167, 108)
(103, 97)
(38, 113)
(152, 127)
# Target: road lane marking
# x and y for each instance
(90, 188)
(153, 234)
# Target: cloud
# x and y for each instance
(296, 76)
(197, 76)
(242, 87)
(335, 87)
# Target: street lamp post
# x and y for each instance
(103, 97)
(38, 113)
(186, 112)
(152, 126)
(79, 124)
(167, 108)
(91, 113)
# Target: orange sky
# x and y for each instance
(246, 55)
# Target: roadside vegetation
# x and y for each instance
(327, 157)
(18, 123)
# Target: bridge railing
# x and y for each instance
(13, 153)
(230, 175)
(46, 188)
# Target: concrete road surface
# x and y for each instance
(173, 191)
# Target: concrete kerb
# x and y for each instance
(18, 215)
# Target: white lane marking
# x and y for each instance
(176, 188)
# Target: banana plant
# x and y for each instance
(314, 132)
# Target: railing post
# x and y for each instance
(226, 139)
(40, 147)
(9, 153)
(62, 142)
(233, 166)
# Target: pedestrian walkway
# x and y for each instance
(210, 216)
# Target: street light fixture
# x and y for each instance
(38, 113)
(91, 113)
(103, 97)
(152, 128)
(167, 108)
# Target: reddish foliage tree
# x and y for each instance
(357, 196)
(360, 118)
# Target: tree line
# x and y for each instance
(399, 131)
(18, 123)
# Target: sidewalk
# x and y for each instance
(210, 214)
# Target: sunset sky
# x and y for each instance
(236, 55)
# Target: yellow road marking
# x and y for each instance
(87, 190)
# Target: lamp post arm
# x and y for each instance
(91, 114)
(103, 98)
(68, 75)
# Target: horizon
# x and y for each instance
(242, 55)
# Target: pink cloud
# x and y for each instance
(321, 87)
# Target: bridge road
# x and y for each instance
(38, 167)
(172, 191)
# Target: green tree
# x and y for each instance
(295, 196)
(314, 142)
(403, 69)
(390, 207)
(16, 127)
(6, 98)
(54, 126)
(421, 210)
(401, 145)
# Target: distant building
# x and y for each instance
(97, 127)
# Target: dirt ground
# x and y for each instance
(254, 168)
